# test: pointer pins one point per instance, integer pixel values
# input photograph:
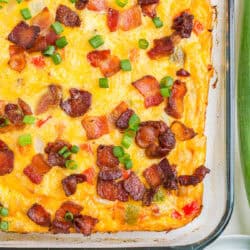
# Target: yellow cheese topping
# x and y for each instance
(18, 193)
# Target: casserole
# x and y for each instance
(214, 129)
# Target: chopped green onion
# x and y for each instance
(70, 164)
(24, 140)
(4, 211)
(103, 83)
(49, 51)
(29, 119)
(26, 13)
(124, 158)
(128, 163)
(57, 27)
(121, 3)
(96, 41)
(166, 81)
(66, 154)
(63, 150)
(159, 196)
(165, 92)
(56, 58)
(126, 65)
(74, 149)
(134, 122)
(61, 42)
(69, 216)
(127, 140)
(4, 225)
(131, 214)
(73, 1)
(118, 151)
(4, 1)
(19, 1)
(157, 22)
(143, 44)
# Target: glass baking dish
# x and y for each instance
(218, 193)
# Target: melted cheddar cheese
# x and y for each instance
(18, 193)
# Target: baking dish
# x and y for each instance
(218, 196)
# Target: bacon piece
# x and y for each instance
(95, 126)
(54, 158)
(68, 206)
(183, 24)
(108, 64)
(156, 151)
(58, 227)
(24, 35)
(182, 132)
(153, 176)
(105, 157)
(197, 177)
(14, 114)
(39, 215)
(17, 60)
(70, 183)
(118, 111)
(112, 19)
(40, 44)
(97, 5)
(149, 87)
(6, 159)
(109, 174)
(175, 106)
(43, 19)
(146, 2)
(134, 187)
(24, 107)
(84, 224)
(167, 140)
(51, 37)
(81, 4)
(78, 103)
(90, 175)
(123, 120)
(37, 169)
(149, 10)
(130, 18)
(50, 99)
(182, 73)
(162, 47)
(67, 16)
(148, 197)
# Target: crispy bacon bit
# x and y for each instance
(39, 45)
(90, 175)
(43, 19)
(109, 174)
(162, 47)
(149, 10)
(37, 169)
(191, 208)
(182, 73)
(148, 197)
(149, 87)
(54, 158)
(68, 206)
(198, 27)
(153, 176)
(84, 224)
(182, 132)
(70, 183)
(183, 24)
(108, 64)
(81, 4)
(24, 35)
(67, 16)
(78, 103)
(196, 178)
(105, 157)
(17, 60)
(24, 107)
(130, 18)
(14, 114)
(118, 111)
(6, 159)
(95, 126)
(58, 227)
(156, 138)
(39, 215)
(175, 106)
(50, 99)
(122, 122)
(40, 123)
(97, 5)
(145, 2)
(51, 37)
(38, 61)
(112, 19)
(134, 187)
(170, 175)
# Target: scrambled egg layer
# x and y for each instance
(18, 193)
